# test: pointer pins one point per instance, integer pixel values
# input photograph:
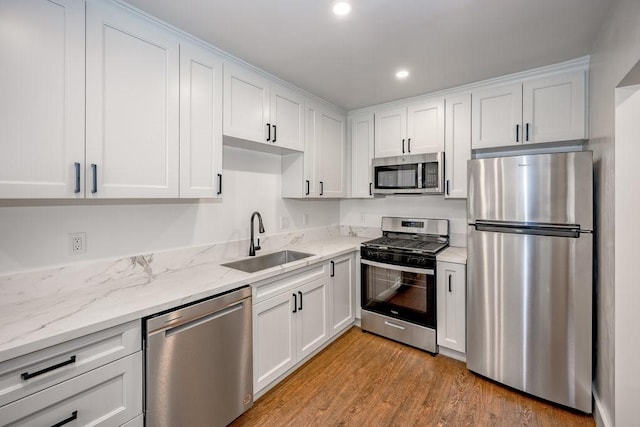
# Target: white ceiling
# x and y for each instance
(351, 61)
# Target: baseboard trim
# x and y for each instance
(600, 414)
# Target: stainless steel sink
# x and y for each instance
(253, 264)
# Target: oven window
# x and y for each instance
(397, 177)
(399, 294)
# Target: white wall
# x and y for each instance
(627, 292)
(616, 50)
(352, 211)
(34, 234)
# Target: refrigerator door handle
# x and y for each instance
(572, 231)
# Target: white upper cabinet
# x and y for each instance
(246, 104)
(545, 109)
(457, 145)
(42, 103)
(258, 110)
(425, 127)
(132, 112)
(200, 123)
(287, 118)
(330, 150)
(554, 108)
(497, 116)
(390, 132)
(361, 154)
(321, 170)
(413, 129)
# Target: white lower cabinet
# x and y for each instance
(274, 342)
(343, 293)
(289, 327)
(311, 316)
(296, 314)
(109, 395)
(92, 380)
(451, 305)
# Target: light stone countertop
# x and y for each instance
(456, 255)
(47, 307)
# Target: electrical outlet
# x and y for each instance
(284, 222)
(363, 217)
(77, 243)
(305, 219)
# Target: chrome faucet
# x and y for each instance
(253, 248)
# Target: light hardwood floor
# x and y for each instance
(365, 380)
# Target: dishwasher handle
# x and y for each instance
(197, 322)
(195, 312)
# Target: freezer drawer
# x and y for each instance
(529, 313)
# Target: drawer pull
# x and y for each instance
(73, 416)
(393, 325)
(27, 375)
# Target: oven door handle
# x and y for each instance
(398, 267)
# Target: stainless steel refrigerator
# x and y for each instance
(529, 287)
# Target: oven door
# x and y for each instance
(405, 293)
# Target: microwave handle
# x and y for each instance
(427, 271)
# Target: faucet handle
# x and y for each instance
(257, 247)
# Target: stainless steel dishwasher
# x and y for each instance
(198, 359)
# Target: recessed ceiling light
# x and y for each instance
(341, 7)
(402, 74)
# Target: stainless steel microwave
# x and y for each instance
(412, 174)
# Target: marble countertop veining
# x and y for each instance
(45, 308)
(456, 255)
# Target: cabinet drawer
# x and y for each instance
(273, 287)
(109, 396)
(36, 371)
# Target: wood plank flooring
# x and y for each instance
(365, 380)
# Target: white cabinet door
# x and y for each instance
(246, 104)
(343, 294)
(287, 118)
(274, 339)
(200, 123)
(132, 105)
(361, 155)
(451, 289)
(391, 132)
(425, 127)
(457, 145)
(554, 108)
(311, 184)
(110, 395)
(42, 102)
(311, 316)
(330, 150)
(497, 117)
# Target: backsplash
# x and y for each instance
(44, 282)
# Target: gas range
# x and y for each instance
(398, 272)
